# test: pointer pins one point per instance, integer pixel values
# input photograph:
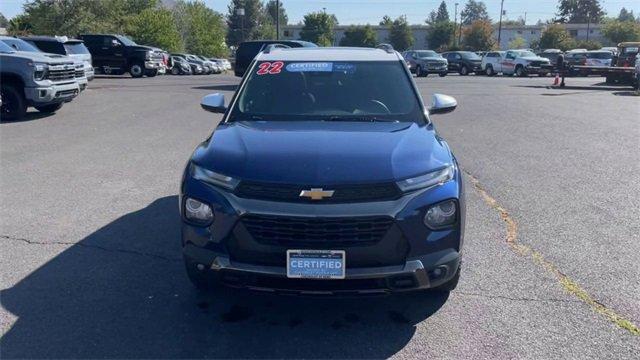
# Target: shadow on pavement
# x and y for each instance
(30, 116)
(122, 293)
(569, 87)
(222, 87)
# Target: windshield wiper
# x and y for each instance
(356, 118)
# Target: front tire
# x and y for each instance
(49, 109)
(520, 71)
(151, 73)
(136, 70)
(418, 71)
(175, 71)
(14, 106)
(464, 71)
(443, 74)
(489, 71)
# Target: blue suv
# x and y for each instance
(325, 176)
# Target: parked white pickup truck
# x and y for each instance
(514, 62)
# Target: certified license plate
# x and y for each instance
(316, 264)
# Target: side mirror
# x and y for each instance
(442, 104)
(214, 103)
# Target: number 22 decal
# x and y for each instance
(270, 68)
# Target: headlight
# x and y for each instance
(441, 215)
(197, 211)
(40, 71)
(433, 178)
(148, 55)
(208, 176)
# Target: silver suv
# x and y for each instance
(35, 79)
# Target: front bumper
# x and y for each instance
(424, 272)
(536, 70)
(55, 93)
(152, 64)
(400, 259)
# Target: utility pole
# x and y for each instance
(277, 19)
(588, 24)
(500, 24)
(240, 12)
(455, 24)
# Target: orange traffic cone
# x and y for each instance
(556, 81)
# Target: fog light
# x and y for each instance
(441, 215)
(197, 211)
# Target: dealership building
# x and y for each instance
(508, 34)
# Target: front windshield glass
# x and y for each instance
(125, 40)
(6, 48)
(470, 55)
(357, 91)
(526, 54)
(76, 48)
(630, 50)
(20, 45)
(427, 53)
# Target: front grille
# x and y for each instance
(535, 63)
(435, 63)
(342, 193)
(80, 73)
(66, 74)
(303, 231)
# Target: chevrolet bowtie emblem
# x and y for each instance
(316, 194)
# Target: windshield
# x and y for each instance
(427, 53)
(76, 48)
(600, 55)
(6, 48)
(125, 40)
(470, 55)
(20, 45)
(630, 50)
(526, 54)
(357, 91)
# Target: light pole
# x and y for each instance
(277, 20)
(455, 24)
(588, 24)
(240, 12)
(500, 24)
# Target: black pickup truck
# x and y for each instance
(117, 54)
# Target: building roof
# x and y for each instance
(328, 54)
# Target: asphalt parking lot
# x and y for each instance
(90, 262)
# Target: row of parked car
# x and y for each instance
(518, 62)
(45, 72)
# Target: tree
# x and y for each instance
(441, 15)
(580, 11)
(318, 28)
(440, 35)
(400, 34)
(360, 36)
(588, 44)
(3, 21)
(479, 36)
(247, 26)
(626, 15)
(201, 28)
(156, 27)
(386, 21)
(271, 13)
(517, 43)
(621, 31)
(556, 37)
(474, 11)
(19, 25)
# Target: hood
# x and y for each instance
(433, 58)
(534, 58)
(83, 57)
(140, 48)
(43, 57)
(323, 153)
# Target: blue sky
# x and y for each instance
(371, 11)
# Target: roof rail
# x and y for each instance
(270, 47)
(386, 47)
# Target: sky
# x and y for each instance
(371, 11)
